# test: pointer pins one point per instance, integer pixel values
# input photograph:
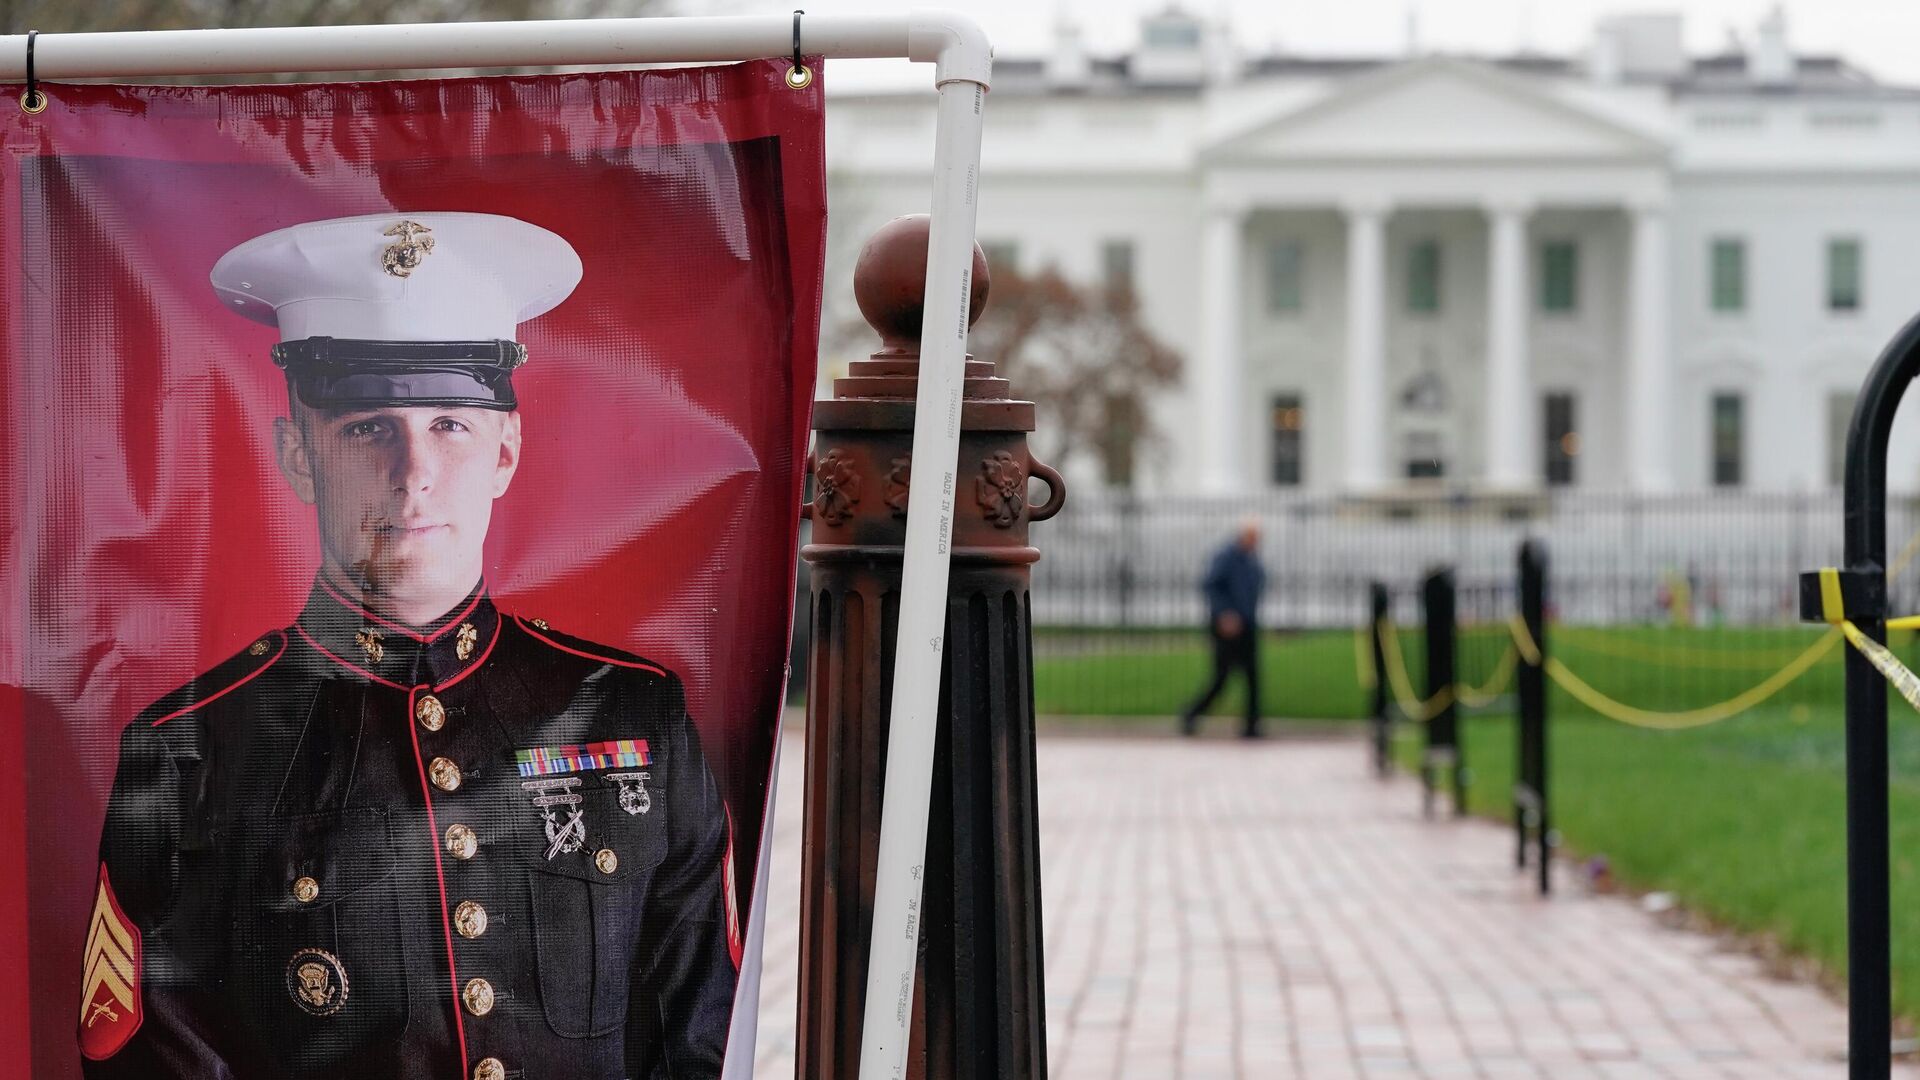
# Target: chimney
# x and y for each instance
(1771, 63)
(1068, 66)
(1638, 47)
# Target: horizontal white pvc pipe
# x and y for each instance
(952, 41)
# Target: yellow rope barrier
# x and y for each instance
(1415, 708)
(1421, 710)
(1620, 711)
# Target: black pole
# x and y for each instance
(1869, 976)
(1530, 794)
(1443, 731)
(1382, 722)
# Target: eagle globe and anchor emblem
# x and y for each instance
(402, 257)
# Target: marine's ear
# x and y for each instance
(295, 459)
(509, 461)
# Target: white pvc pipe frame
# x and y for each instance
(962, 60)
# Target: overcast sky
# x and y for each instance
(1882, 36)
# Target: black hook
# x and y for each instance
(796, 43)
(798, 76)
(33, 100)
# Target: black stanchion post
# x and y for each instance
(1443, 749)
(1382, 721)
(1863, 588)
(1530, 804)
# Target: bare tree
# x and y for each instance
(1085, 358)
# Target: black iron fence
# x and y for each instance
(1665, 601)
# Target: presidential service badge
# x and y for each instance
(110, 977)
(317, 982)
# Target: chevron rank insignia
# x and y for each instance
(110, 977)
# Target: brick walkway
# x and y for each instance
(1215, 909)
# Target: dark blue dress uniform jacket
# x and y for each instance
(325, 883)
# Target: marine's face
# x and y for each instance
(403, 495)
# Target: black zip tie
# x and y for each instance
(798, 76)
(33, 101)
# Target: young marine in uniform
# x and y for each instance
(410, 835)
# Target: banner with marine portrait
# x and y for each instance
(399, 514)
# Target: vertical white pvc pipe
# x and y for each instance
(923, 587)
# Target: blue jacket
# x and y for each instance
(1233, 583)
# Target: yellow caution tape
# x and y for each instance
(1833, 608)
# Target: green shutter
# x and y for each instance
(1843, 274)
(1423, 277)
(1729, 275)
(1559, 276)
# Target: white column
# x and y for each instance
(1219, 374)
(1509, 422)
(1649, 370)
(1366, 375)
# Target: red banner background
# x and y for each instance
(148, 533)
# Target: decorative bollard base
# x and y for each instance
(978, 1002)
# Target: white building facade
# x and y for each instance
(1631, 270)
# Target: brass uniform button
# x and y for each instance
(470, 919)
(444, 774)
(489, 1069)
(258, 648)
(606, 860)
(479, 996)
(461, 842)
(541, 623)
(306, 890)
(431, 714)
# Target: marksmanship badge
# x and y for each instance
(563, 837)
(634, 796)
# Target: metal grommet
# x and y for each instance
(33, 101)
(799, 76)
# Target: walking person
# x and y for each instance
(1233, 584)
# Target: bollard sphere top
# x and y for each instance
(890, 282)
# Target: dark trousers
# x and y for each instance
(1240, 652)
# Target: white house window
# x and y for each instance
(1285, 295)
(1839, 416)
(1116, 266)
(1563, 439)
(1002, 256)
(1728, 285)
(1843, 273)
(1559, 276)
(1729, 439)
(1289, 439)
(1423, 277)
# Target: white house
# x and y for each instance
(1633, 269)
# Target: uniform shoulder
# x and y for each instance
(218, 681)
(547, 637)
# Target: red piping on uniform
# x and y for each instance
(355, 667)
(399, 627)
(250, 677)
(446, 927)
(475, 666)
(603, 659)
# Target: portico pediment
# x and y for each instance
(1436, 109)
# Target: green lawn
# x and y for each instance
(1743, 821)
